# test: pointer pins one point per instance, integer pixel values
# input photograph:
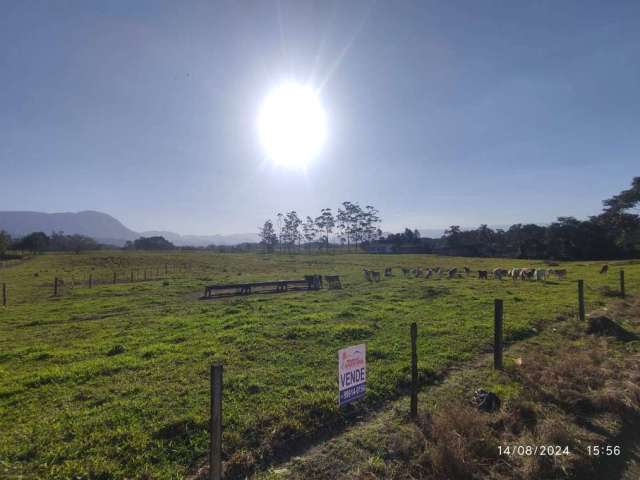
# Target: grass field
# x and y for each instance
(112, 381)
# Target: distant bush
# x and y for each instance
(5, 241)
(150, 243)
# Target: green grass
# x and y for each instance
(112, 381)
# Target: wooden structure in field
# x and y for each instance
(310, 282)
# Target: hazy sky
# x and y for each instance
(439, 113)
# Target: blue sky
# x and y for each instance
(438, 113)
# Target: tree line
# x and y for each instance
(614, 233)
(41, 242)
(350, 226)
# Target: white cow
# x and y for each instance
(540, 274)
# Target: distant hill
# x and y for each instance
(204, 240)
(97, 225)
(104, 228)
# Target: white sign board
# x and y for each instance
(352, 373)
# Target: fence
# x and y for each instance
(58, 284)
(216, 418)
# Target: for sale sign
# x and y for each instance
(352, 373)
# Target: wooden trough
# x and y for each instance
(310, 282)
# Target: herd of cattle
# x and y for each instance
(498, 273)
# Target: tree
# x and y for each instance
(347, 220)
(625, 200)
(268, 236)
(34, 242)
(5, 241)
(153, 243)
(71, 243)
(309, 230)
(325, 223)
(452, 236)
(290, 231)
(370, 220)
(342, 222)
(280, 223)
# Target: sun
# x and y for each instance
(292, 125)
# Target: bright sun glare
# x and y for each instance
(292, 125)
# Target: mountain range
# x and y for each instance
(103, 228)
(108, 230)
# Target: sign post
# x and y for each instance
(352, 373)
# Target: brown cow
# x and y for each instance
(483, 274)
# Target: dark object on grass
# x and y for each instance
(116, 350)
(601, 325)
(486, 401)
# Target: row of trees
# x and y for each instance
(351, 225)
(59, 242)
(40, 242)
(615, 233)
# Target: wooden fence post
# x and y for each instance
(581, 300)
(497, 334)
(55, 287)
(414, 371)
(4, 294)
(215, 452)
(622, 292)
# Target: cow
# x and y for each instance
(428, 273)
(452, 272)
(483, 274)
(526, 274)
(499, 273)
(387, 272)
(514, 273)
(604, 269)
(560, 273)
(375, 276)
(367, 274)
(467, 270)
(418, 272)
(540, 274)
(406, 271)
